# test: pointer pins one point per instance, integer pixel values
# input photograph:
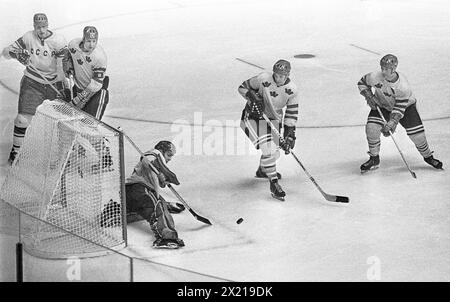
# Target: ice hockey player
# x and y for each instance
(143, 197)
(269, 93)
(390, 91)
(85, 61)
(37, 49)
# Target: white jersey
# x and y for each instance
(43, 54)
(276, 98)
(393, 96)
(89, 68)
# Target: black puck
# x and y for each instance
(239, 221)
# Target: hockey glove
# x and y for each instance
(80, 100)
(175, 207)
(256, 107)
(370, 98)
(67, 67)
(22, 55)
(289, 139)
(162, 180)
(391, 124)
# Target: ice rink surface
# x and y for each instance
(174, 64)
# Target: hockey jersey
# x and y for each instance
(395, 97)
(143, 173)
(276, 98)
(89, 68)
(43, 54)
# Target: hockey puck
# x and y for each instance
(239, 221)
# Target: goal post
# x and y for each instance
(69, 174)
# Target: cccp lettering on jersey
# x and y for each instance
(44, 53)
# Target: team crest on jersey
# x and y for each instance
(80, 61)
(273, 94)
(289, 91)
(88, 59)
(379, 85)
(72, 50)
(389, 95)
(266, 84)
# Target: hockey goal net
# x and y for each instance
(69, 175)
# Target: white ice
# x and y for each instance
(171, 61)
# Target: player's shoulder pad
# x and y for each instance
(29, 36)
(374, 77)
(75, 43)
(57, 41)
(99, 57)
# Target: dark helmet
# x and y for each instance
(165, 146)
(90, 32)
(282, 67)
(389, 61)
(40, 19)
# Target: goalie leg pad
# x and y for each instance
(145, 203)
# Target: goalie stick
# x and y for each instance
(398, 148)
(197, 216)
(329, 197)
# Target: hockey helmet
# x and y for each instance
(40, 19)
(90, 32)
(282, 67)
(389, 61)
(165, 146)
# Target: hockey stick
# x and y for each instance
(398, 148)
(329, 197)
(198, 217)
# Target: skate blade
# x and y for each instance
(278, 197)
(167, 247)
(371, 169)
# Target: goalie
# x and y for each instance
(143, 198)
(269, 93)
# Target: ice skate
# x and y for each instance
(261, 174)
(437, 164)
(276, 190)
(161, 243)
(372, 164)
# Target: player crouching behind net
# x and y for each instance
(270, 93)
(143, 198)
(86, 62)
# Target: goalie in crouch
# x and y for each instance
(270, 93)
(142, 195)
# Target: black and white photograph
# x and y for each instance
(197, 142)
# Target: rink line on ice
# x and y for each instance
(365, 49)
